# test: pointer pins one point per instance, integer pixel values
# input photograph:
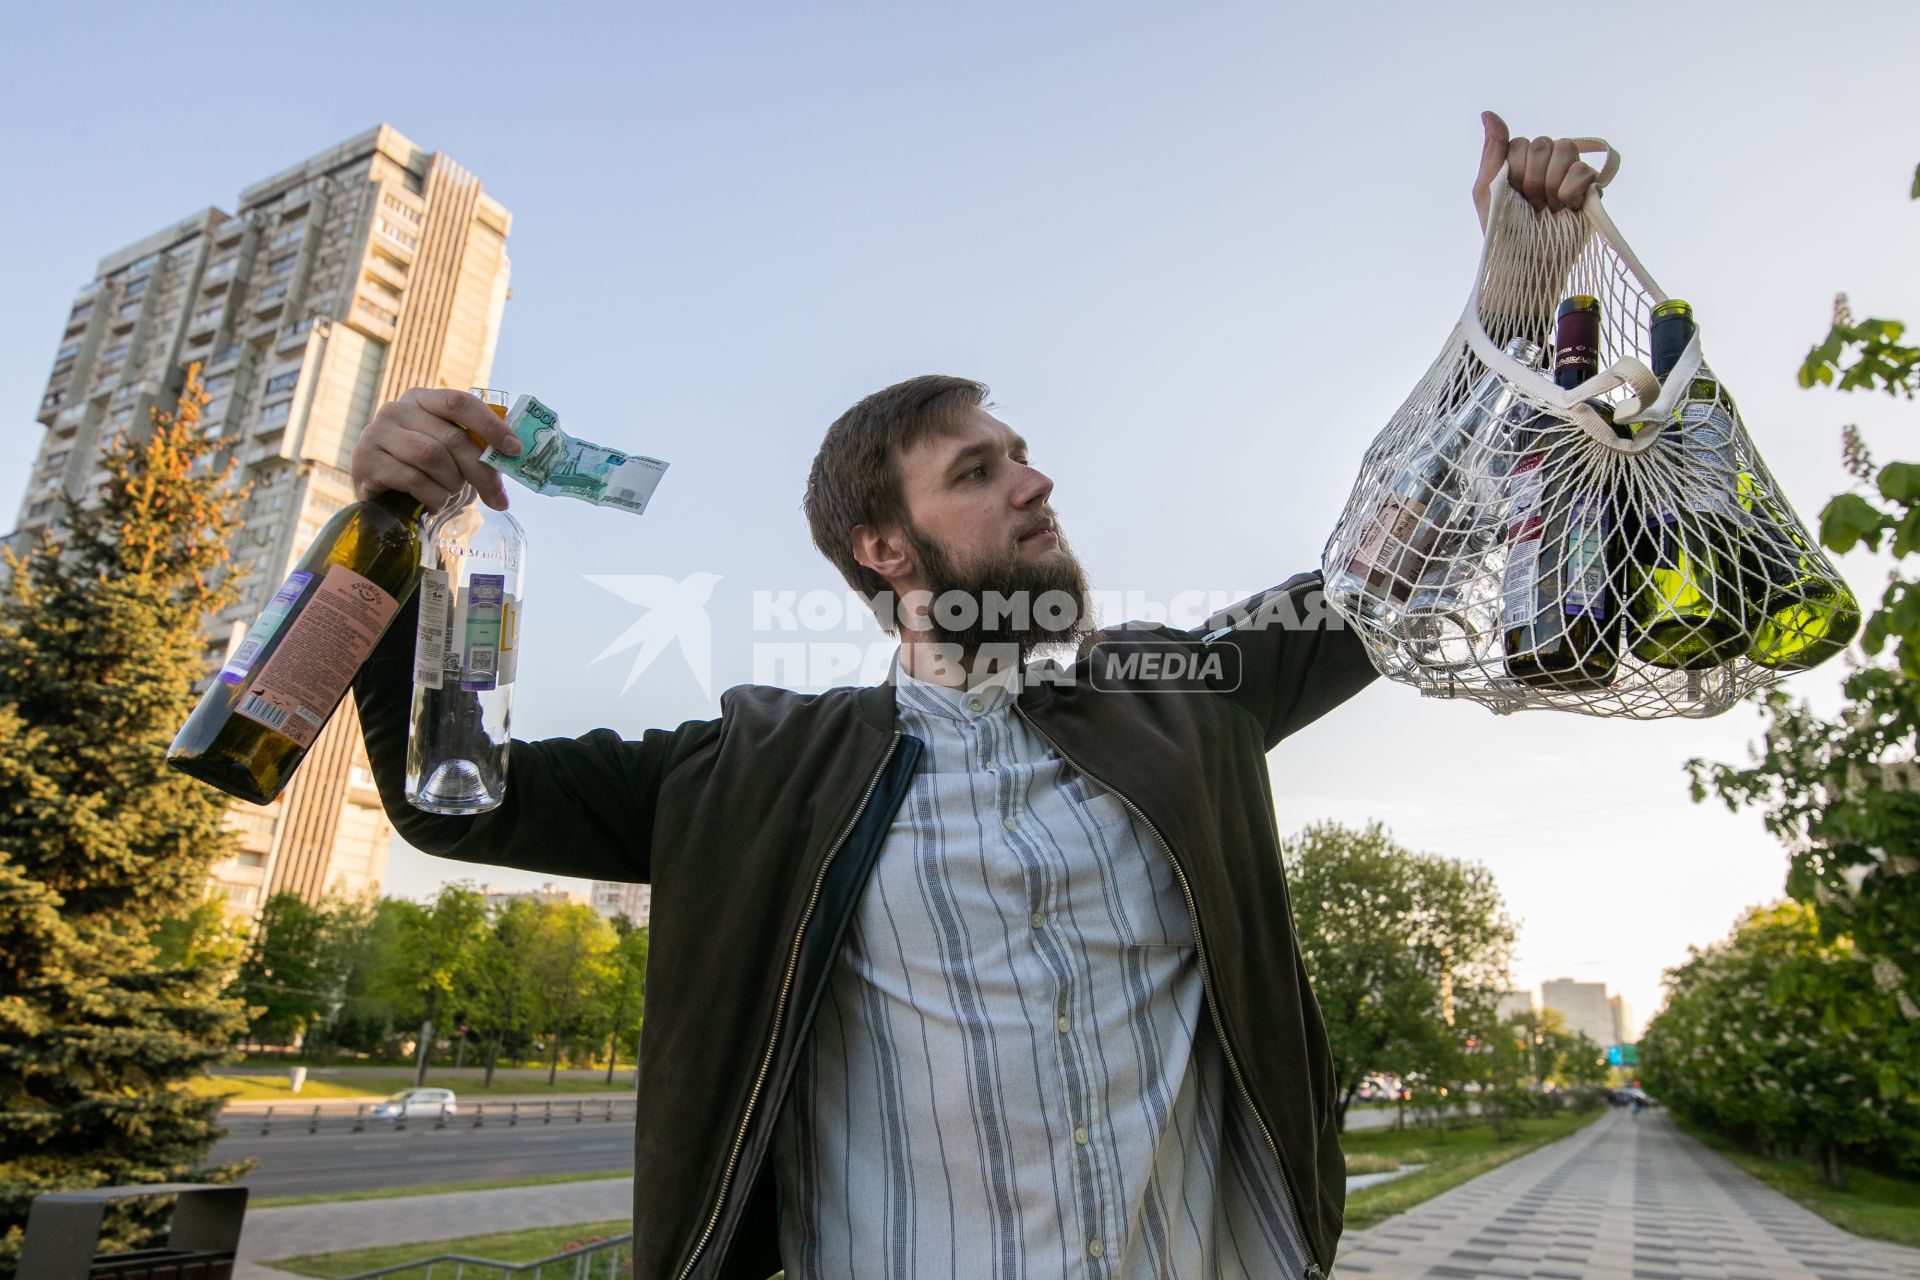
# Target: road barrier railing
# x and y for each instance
(321, 1117)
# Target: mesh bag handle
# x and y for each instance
(1615, 548)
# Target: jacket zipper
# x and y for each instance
(780, 1010)
(1206, 983)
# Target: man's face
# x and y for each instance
(980, 526)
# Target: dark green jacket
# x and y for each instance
(757, 831)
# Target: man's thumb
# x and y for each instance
(1497, 135)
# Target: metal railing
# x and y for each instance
(322, 1118)
(609, 1259)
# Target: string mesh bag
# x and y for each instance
(1614, 547)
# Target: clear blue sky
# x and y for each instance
(1200, 252)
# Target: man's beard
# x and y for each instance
(1001, 608)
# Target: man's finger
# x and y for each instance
(1577, 184)
(1493, 151)
(1539, 153)
(423, 451)
(1559, 160)
(470, 413)
(388, 473)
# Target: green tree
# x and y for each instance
(444, 947)
(1779, 1038)
(101, 843)
(623, 997)
(1843, 792)
(568, 961)
(287, 976)
(504, 997)
(1408, 953)
(381, 1001)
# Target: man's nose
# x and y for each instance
(1034, 487)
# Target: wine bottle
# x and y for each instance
(1450, 619)
(1805, 613)
(1559, 603)
(1684, 606)
(277, 690)
(1417, 521)
(466, 653)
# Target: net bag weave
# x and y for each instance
(1618, 548)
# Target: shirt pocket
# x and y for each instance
(1095, 803)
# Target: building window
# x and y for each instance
(135, 288)
(282, 382)
(377, 310)
(276, 412)
(283, 264)
(394, 233)
(205, 319)
(67, 352)
(115, 352)
(39, 509)
(80, 313)
(128, 311)
(291, 235)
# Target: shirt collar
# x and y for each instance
(990, 696)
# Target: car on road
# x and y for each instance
(416, 1104)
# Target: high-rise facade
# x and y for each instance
(618, 898)
(1586, 1007)
(338, 283)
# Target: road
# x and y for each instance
(299, 1164)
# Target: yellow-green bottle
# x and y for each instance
(1806, 614)
(276, 692)
(1685, 606)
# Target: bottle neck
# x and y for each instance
(401, 506)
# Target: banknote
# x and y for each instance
(553, 462)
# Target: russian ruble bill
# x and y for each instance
(553, 462)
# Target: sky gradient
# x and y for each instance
(1200, 253)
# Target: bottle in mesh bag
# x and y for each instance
(1418, 522)
(1560, 616)
(1453, 612)
(1685, 607)
(1804, 614)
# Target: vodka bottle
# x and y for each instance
(466, 653)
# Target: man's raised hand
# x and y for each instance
(1548, 172)
(427, 444)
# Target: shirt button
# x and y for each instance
(1063, 1024)
(974, 704)
(990, 766)
(1037, 920)
(1080, 1136)
(1095, 1248)
(1008, 823)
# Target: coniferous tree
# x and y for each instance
(101, 845)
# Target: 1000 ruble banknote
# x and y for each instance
(553, 462)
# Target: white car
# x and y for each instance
(416, 1104)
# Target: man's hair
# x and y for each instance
(856, 475)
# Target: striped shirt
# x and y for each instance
(1013, 1071)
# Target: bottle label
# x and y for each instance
(302, 683)
(1523, 573)
(1586, 574)
(509, 640)
(430, 638)
(480, 632)
(265, 627)
(1706, 447)
(1397, 519)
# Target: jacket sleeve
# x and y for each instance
(574, 806)
(1298, 658)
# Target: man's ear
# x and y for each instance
(882, 549)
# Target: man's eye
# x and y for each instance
(980, 471)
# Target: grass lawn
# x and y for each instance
(1451, 1158)
(319, 1088)
(504, 1246)
(394, 1193)
(1873, 1205)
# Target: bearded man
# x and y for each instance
(984, 971)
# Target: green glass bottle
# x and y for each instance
(276, 692)
(1685, 608)
(1560, 617)
(1806, 614)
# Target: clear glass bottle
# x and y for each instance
(466, 653)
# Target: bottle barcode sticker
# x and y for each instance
(265, 627)
(1523, 567)
(480, 639)
(259, 709)
(430, 638)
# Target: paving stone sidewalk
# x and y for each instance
(1623, 1199)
